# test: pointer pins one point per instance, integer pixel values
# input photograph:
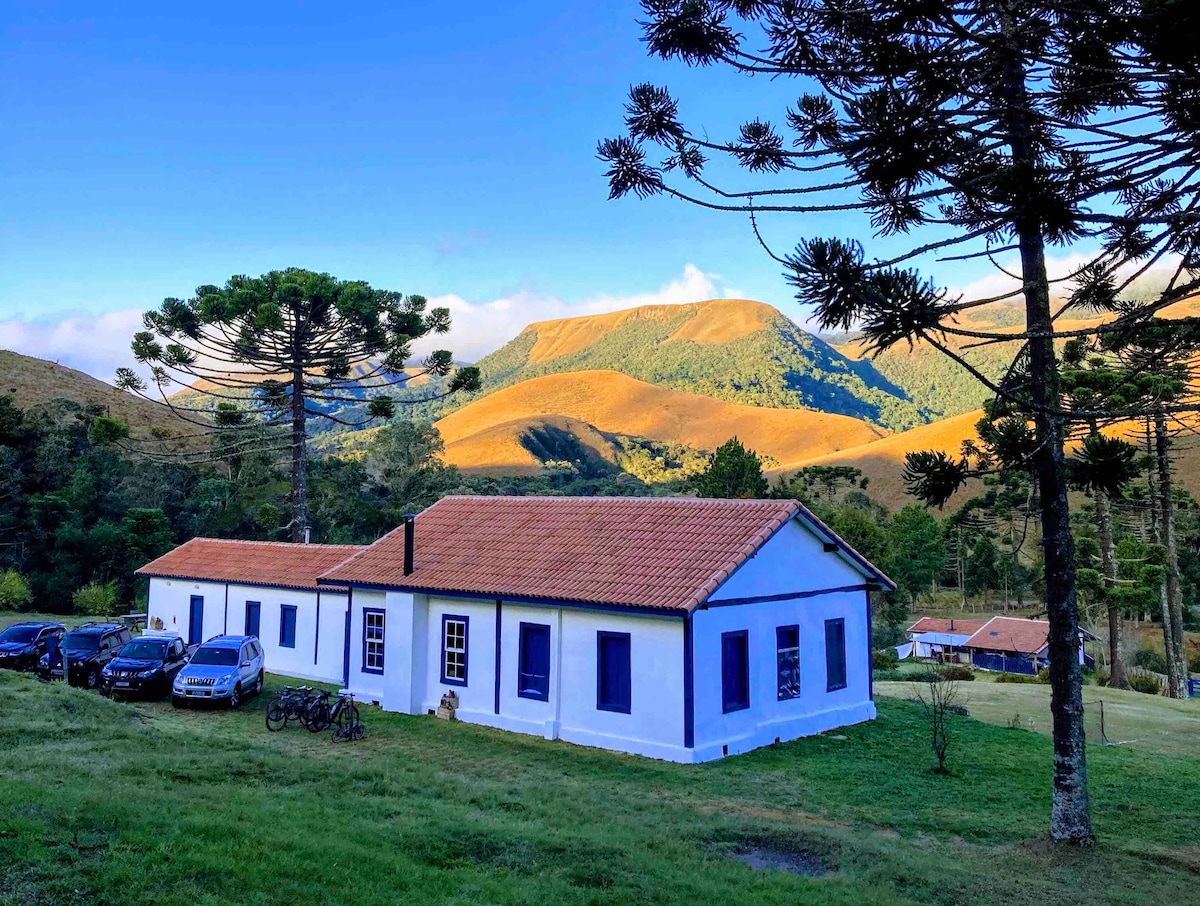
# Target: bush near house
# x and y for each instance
(1149, 659)
(958, 672)
(1140, 682)
(885, 659)
(15, 593)
(1017, 678)
(96, 599)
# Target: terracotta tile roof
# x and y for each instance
(1011, 634)
(953, 625)
(660, 553)
(250, 562)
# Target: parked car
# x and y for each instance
(22, 644)
(146, 666)
(89, 647)
(225, 669)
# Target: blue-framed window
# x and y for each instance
(253, 618)
(287, 626)
(787, 662)
(613, 680)
(533, 661)
(455, 630)
(735, 671)
(374, 628)
(835, 654)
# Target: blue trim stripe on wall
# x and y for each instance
(317, 634)
(870, 648)
(346, 640)
(689, 688)
(497, 690)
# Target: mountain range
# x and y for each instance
(665, 384)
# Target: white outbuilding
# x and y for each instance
(677, 628)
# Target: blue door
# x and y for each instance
(196, 621)
(253, 610)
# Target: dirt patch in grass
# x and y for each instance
(810, 864)
(795, 853)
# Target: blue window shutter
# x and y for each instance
(253, 618)
(287, 626)
(196, 620)
(835, 654)
(533, 667)
(613, 682)
(735, 671)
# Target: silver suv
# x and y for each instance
(225, 669)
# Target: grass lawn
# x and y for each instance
(1149, 722)
(106, 803)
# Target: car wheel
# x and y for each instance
(261, 682)
(235, 697)
(92, 678)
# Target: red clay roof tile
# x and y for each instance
(659, 553)
(250, 562)
(953, 625)
(1011, 634)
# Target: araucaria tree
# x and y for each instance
(284, 348)
(990, 128)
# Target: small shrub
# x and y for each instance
(1140, 682)
(1193, 661)
(1149, 659)
(15, 593)
(890, 676)
(1043, 675)
(96, 600)
(958, 672)
(885, 659)
(1101, 676)
(1016, 678)
(925, 676)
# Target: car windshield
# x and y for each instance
(144, 648)
(216, 657)
(81, 641)
(19, 634)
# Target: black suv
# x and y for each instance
(146, 666)
(21, 644)
(89, 647)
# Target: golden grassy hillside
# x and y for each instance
(35, 381)
(882, 460)
(614, 403)
(714, 321)
(502, 449)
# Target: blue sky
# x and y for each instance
(148, 148)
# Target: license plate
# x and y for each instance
(122, 685)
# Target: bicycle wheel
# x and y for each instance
(318, 717)
(277, 717)
(348, 724)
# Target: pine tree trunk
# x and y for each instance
(299, 524)
(1070, 811)
(1173, 600)
(1108, 565)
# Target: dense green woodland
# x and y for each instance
(78, 514)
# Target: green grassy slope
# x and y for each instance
(103, 803)
(778, 366)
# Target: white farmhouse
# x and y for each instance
(681, 629)
(209, 587)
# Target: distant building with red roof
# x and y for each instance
(678, 628)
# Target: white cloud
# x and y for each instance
(99, 344)
(482, 327)
(95, 344)
(997, 283)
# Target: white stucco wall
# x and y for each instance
(792, 561)
(315, 656)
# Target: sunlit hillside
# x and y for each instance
(735, 350)
(610, 402)
(35, 381)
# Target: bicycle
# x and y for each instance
(343, 717)
(290, 704)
